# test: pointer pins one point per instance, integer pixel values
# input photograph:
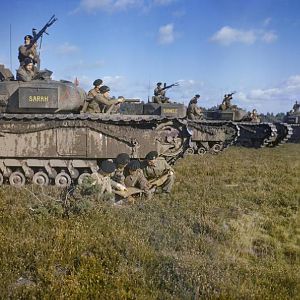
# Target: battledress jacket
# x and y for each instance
(98, 103)
(105, 182)
(160, 168)
(193, 111)
(24, 75)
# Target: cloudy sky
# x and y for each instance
(210, 47)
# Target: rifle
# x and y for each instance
(169, 86)
(38, 35)
(231, 94)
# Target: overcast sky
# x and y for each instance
(210, 47)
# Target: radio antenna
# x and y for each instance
(149, 90)
(10, 57)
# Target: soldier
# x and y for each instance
(158, 172)
(254, 117)
(121, 162)
(193, 111)
(137, 179)
(27, 71)
(103, 179)
(91, 104)
(296, 107)
(160, 94)
(226, 104)
(26, 52)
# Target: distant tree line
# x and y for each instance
(271, 117)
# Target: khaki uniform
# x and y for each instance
(138, 180)
(106, 184)
(98, 103)
(160, 169)
(119, 175)
(226, 104)
(91, 105)
(193, 111)
(296, 107)
(254, 118)
(25, 75)
(24, 52)
(160, 96)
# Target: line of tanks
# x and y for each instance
(45, 139)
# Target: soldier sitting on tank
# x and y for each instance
(160, 94)
(226, 104)
(136, 178)
(252, 117)
(121, 162)
(102, 178)
(296, 107)
(27, 72)
(193, 111)
(91, 105)
(158, 172)
(26, 52)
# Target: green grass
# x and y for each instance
(231, 229)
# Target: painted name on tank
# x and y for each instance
(38, 98)
(170, 110)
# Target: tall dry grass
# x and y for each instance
(231, 229)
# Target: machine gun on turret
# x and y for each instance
(38, 35)
(169, 86)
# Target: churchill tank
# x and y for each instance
(253, 132)
(292, 118)
(45, 139)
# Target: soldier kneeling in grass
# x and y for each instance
(102, 179)
(159, 173)
(137, 179)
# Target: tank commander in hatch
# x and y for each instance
(226, 103)
(194, 112)
(160, 94)
(158, 172)
(91, 105)
(25, 51)
(28, 71)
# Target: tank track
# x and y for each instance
(42, 170)
(295, 138)
(169, 133)
(211, 136)
(284, 133)
(256, 135)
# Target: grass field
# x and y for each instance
(231, 229)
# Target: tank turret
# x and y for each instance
(40, 96)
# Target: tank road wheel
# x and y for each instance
(201, 151)
(188, 152)
(40, 178)
(1, 179)
(82, 177)
(63, 179)
(216, 148)
(17, 179)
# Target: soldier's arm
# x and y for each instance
(117, 186)
(168, 167)
(105, 101)
(143, 182)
